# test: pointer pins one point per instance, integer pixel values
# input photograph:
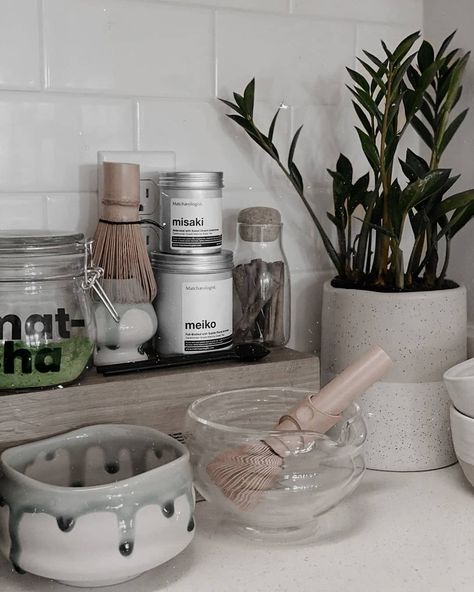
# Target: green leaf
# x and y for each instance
(408, 171)
(459, 200)
(375, 75)
(363, 119)
(369, 148)
(403, 48)
(425, 55)
(251, 131)
(395, 212)
(454, 84)
(422, 131)
(409, 97)
(401, 71)
(413, 76)
(420, 91)
(293, 145)
(341, 188)
(366, 101)
(427, 112)
(382, 65)
(421, 189)
(232, 106)
(358, 193)
(458, 96)
(344, 167)
(249, 97)
(243, 122)
(239, 99)
(387, 51)
(271, 129)
(296, 176)
(451, 130)
(444, 45)
(359, 79)
(417, 163)
(460, 218)
(361, 185)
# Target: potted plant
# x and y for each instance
(401, 300)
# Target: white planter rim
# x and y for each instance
(415, 295)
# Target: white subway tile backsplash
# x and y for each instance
(19, 44)
(327, 132)
(276, 6)
(74, 212)
(295, 60)
(204, 138)
(399, 11)
(50, 143)
(22, 211)
(306, 303)
(129, 46)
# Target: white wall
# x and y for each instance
(78, 76)
(441, 19)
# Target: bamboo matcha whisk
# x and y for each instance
(245, 473)
(119, 246)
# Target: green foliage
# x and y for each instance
(403, 88)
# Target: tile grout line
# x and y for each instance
(137, 115)
(215, 56)
(44, 70)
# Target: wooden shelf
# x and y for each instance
(157, 398)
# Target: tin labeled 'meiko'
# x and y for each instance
(194, 302)
(191, 212)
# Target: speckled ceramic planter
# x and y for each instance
(425, 334)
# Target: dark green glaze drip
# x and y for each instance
(168, 509)
(126, 548)
(158, 453)
(2, 502)
(77, 484)
(50, 455)
(13, 523)
(112, 467)
(65, 524)
(18, 569)
(191, 524)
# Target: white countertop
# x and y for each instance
(399, 532)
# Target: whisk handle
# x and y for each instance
(319, 412)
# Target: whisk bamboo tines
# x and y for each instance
(244, 473)
(119, 246)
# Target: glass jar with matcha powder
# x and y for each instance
(47, 331)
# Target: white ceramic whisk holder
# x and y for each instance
(123, 341)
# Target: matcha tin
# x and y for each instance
(47, 330)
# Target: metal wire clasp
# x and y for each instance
(90, 282)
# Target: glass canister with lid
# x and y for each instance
(47, 330)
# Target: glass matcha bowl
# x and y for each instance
(317, 473)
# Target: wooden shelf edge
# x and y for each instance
(157, 398)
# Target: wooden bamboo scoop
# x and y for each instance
(243, 474)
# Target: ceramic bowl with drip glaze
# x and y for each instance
(315, 475)
(96, 506)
